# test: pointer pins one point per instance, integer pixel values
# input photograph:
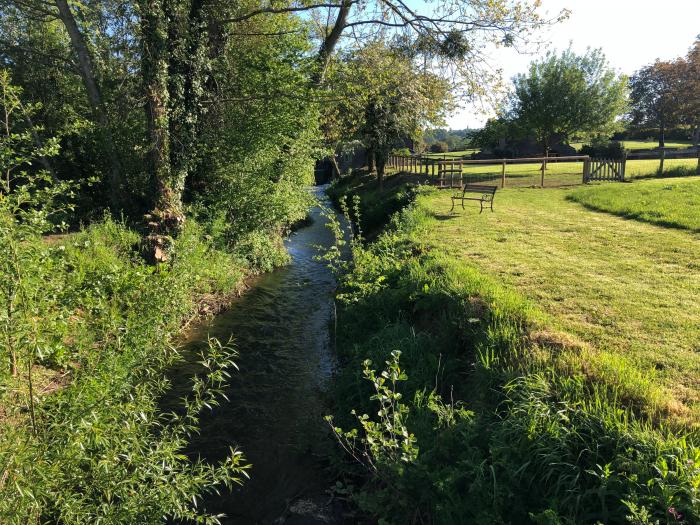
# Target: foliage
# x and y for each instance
(83, 404)
(456, 139)
(654, 97)
(439, 147)
(526, 436)
(568, 94)
(604, 149)
(386, 443)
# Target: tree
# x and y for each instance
(94, 95)
(439, 147)
(689, 95)
(388, 99)
(568, 94)
(654, 97)
(453, 32)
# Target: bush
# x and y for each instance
(605, 149)
(439, 147)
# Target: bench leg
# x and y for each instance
(481, 206)
(492, 205)
(453, 204)
(462, 203)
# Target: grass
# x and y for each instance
(674, 203)
(627, 289)
(449, 154)
(534, 343)
(637, 145)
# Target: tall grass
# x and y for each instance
(92, 330)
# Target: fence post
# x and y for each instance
(586, 169)
(503, 174)
(697, 171)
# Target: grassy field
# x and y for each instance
(674, 203)
(452, 154)
(627, 289)
(637, 145)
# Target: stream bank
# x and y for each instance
(278, 399)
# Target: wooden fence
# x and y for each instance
(449, 173)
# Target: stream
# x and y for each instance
(281, 330)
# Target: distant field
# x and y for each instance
(635, 145)
(672, 202)
(451, 154)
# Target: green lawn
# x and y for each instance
(636, 145)
(674, 202)
(452, 154)
(628, 290)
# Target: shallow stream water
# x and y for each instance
(281, 330)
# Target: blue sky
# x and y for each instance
(632, 33)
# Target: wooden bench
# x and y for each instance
(486, 194)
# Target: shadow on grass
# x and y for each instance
(673, 173)
(635, 217)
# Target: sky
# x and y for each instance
(632, 33)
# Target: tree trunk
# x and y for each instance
(331, 41)
(166, 219)
(87, 72)
(662, 136)
(188, 74)
(380, 161)
(696, 136)
(371, 162)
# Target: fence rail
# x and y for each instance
(533, 171)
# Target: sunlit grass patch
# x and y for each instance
(674, 202)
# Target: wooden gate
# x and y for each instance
(604, 169)
(450, 174)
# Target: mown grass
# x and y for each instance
(629, 290)
(539, 380)
(674, 203)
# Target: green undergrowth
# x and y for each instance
(672, 203)
(459, 403)
(91, 331)
(378, 205)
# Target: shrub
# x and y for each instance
(604, 149)
(439, 147)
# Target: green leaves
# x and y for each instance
(568, 94)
